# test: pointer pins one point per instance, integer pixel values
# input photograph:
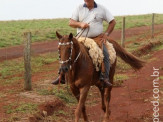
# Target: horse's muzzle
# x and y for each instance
(64, 69)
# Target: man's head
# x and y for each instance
(89, 3)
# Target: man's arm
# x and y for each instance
(110, 27)
(108, 31)
(75, 24)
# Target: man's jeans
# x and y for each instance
(106, 61)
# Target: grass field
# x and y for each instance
(11, 32)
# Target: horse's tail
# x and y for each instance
(129, 58)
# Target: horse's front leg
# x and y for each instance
(107, 94)
(81, 105)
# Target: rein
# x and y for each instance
(81, 32)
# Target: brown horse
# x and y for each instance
(80, 72)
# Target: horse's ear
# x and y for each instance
(58, 35)
(70, 36)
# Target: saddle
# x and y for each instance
(94, 47)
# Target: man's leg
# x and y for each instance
(107, 66)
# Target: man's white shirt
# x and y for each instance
(94, 17)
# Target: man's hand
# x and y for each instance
(76, 24)
(84, 25)
(104, 37)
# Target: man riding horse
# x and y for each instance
(89, 17)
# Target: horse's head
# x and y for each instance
(65, 48)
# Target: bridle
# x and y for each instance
(70, 57)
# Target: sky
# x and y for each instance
(50, 9)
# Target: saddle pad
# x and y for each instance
(96, 53)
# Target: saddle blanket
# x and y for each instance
(96, 53)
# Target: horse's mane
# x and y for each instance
(82, 48)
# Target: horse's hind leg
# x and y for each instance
(84, 114)
(81, 105)
(107, 96)
(76, 93)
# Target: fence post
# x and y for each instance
(153, 18)
(123, 33)
(27, 60)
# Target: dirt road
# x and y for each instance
(132, 101)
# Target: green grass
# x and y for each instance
(157, 48)
(2, 95)
(119, 78)
(14, 118)
(44, 30)
(60, 116)
(138, 20)
(13, 70)
(141, 90)
(122, 66)
(20, 108)
(61, 93)
(161, 77)
(61, 112)
(144, 40)
(148, 57)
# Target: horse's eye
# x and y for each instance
(69, 50)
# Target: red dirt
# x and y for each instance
(47, 109)
(146, 48)
(50, 107)
(43, 47)
(132, 102)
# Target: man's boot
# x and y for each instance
(105, 80)
(56, 82)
